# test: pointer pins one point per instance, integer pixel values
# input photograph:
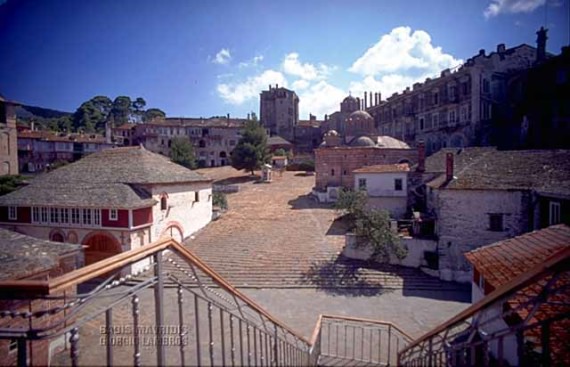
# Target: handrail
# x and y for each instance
(370, 321)
(73, 278)
(555, 262)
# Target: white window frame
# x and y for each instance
(113, 214)
(12, 213)
(362, 184)
(553, 213)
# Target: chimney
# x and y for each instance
(248, 116)
(108, 133)
(365, 99)
(269, 86)
(228, 116)
(541, 44)
(501, 48)
(32, 125)
(379, 97)
(421, 157)
(482, 52)
(370, 95)
(358, 103)
(449, 167)
(276, 86)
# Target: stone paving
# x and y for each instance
(277, 235)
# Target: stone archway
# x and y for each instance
(175, 231)
(57, 236)
(99, 246)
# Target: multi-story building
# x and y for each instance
(38, 150)
(279, 111)
(213, 139)
(8, 146)
(111, 201)
(457, 108)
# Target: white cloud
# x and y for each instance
(253, 62)
(292, 66)
(497, 7)
(238, 93)
(386, 85)
(320, 99)
(402, 51)
(300, 84)
(222, 57)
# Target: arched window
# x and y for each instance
(163, 201)
(332, 172)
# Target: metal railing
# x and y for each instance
(524, 322)
(173, 310)
(341, 340)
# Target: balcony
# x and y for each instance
(116, 312)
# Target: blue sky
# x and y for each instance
(202, 58)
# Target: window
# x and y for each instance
(75, 217)
(163, 203)
(554, 213)
(35, 214)
(12, 213)
(451, 117)
(13, 346)
(344, 172)
(436, 98)
(434, 120)
(44, 215)
(54, 215)
(96, 213)
(113, 215)
(197, 196)
(362, 184)
(332, 172)
(422, 123)
(398, 184)
(64, 215)
(496, 222)
(87, 217)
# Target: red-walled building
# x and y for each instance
(111, 201)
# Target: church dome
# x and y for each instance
(362, 141)
(349, 99)
(359, 116)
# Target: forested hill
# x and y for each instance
(26, 112)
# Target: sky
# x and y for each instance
(195, 58)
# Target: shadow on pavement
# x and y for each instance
(237, 180)
(339, 227)
(338, 276)
(307, 201)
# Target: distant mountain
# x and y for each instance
(27, 112)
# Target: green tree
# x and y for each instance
(121, 110)
(351, 202)
(280, 152)
(10, 183)
(251, 151)
(220, 200)
(138, 111)
(153, 113)
(182, 152)
(372, 225)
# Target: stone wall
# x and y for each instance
(463, 224)
(344, 160)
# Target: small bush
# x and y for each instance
(220, 200)
(303, 166)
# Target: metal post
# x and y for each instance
(182, 331)
(197, 323)
(137, 353)
(158, 308)
(389, 343)
(22, 352)
(109, 335)
(275, 350)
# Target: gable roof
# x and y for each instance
(111, 178)
(546, 171)
(277, 140)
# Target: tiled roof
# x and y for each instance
(58, 137)
(22, 256)
(199, 122)
(277, 140)
(546, 171)
(111, 178)
(384, 168)
(310, 123)
(503, 261)
(126, 126)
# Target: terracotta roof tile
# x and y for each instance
(384, 168)
(503, 261)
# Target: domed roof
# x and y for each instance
(360, 115)
(362, 141)
(385, 141)
(331, 133)
(349, 99)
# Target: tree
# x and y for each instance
(121, 111)
(220, 200)
(153, 113)
(351, 202)
(280, 152)
(182, 152)
(138, 106)
(371, 225)
(9, 183)
(251, 151)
